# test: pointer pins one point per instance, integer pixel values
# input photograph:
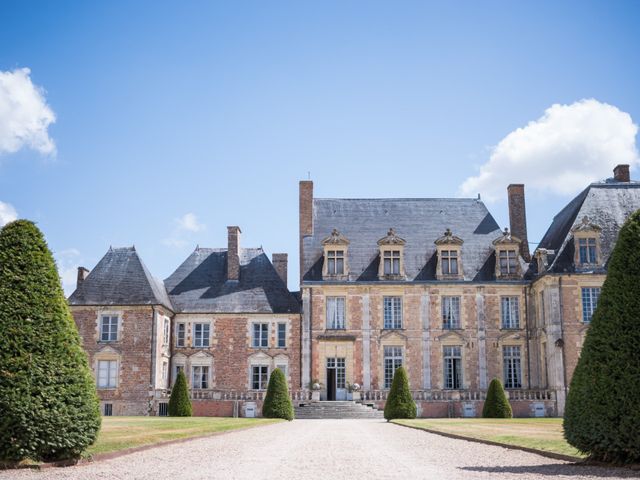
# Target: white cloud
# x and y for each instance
(185, 226)
(68, 262)
(189, 222)
(24, 114)
(562, 152)
(7, 213)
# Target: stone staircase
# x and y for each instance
(337, 409)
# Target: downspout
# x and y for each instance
(564, 359)
(526, 316)
(153, 349)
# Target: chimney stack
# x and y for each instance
(518, 217)
(279, 261)
(306, 215)
(621, 173)
(233, 253)
(82, 274)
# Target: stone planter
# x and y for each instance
(315, 395)
(354, 396)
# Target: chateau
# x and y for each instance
(432, 284)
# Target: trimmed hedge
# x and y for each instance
(496, 404)
(49, 409)
(277, 402)
(179, 402)
(400, 403)
(602, 413)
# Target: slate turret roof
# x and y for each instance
(200, 284)
(418, 221)
(121, 278)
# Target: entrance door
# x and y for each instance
(336, 379)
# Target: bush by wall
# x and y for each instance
(400, 403)
(179, 402)
(277, 402)
(496, 404)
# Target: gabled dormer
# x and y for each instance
(391, 256)
(335, 266)
(449, 251)
(586, 238)
(507, 249)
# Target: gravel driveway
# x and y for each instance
(325, 449)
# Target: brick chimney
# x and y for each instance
(279, 261)
(518, 217)
(621, 173)
(306, 215)
(233, 253)
(82, 274)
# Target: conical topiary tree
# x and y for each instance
(496, 405)
(277, 402)
(49, 408)
(179, 402)
(602, 413)
(400, 403)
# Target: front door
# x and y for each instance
(336, 379)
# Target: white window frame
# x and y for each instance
(391, 259)
(166, 331)
(451, 312)
(204, 377)
(262, 377)
(281, 335)
(589, 297)
(201, 341)
(393, 358)
(335, 262)
(508, 261)
(108, 379)
(336, 309)
(112, 328)
(588, 246)
(449, 265)
(512, 366)
(392, 312)
(509, 313)
(452, 367)
(181, 336)
(260, 338)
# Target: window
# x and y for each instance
(165, 338)
(200, 377)
(452, 368)
(335, 313)
(335, 262)
(450, 313)
(392, 312)
(181, 335)
(590, 298)
(200, 334)
(338, 363)
(512, 367)
(283, 369)
(391, 262)
(260, 335)
(163, 409)
(107, 373)
(449, 260)
(165, 370)
(109, 328)
(587, 248)
(259, 377)
(282, 335)
(108, 409)
(510, 312)
(508, 262)
(392, 360)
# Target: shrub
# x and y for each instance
(496, 404)
(49, 409)
(179, 402)
(602, 414)
(400, 403)
(277, 402)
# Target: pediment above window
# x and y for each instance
(506, 239)
(449, 239)
(108, 350)
(586, 225)
(200, 355)
(452, 335)
(260, 357)
(393, 335)
(392, 239)
(336, 238)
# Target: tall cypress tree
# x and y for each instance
(179, 402)
(277, 402)
(496, 404)
(602, 414)
(49, 408)
(400, 403)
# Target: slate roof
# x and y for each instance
(200, 284)
(419, 221)
(607, 204)
(121, 278)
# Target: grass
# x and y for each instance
(539, 433)
(119, 433)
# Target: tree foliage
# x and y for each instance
(49, 409)
(277, 402)
(179, 402)
(496, 405)
(400, 403)
(602, 414)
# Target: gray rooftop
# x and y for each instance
(200, 284)
(419, 221)
(120, 278)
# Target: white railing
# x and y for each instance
(459, 395)
(233, 395)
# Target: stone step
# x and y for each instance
(336, 410)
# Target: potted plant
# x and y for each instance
(316, 386)
(353, 391)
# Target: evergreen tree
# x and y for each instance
(496, 405)
(277, 402)
(49, 408)
(602, 414)
(400, 403)
(179, 402)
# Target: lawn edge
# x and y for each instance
(99, 457)
(544, 453)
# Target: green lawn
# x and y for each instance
(118, 433)
(539, 433)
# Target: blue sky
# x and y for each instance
(176, 119)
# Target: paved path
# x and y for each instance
(325, 449)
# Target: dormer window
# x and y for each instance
(507, 256)
(586, 238)
(391, 256)
(335, 256)
(449, 249)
